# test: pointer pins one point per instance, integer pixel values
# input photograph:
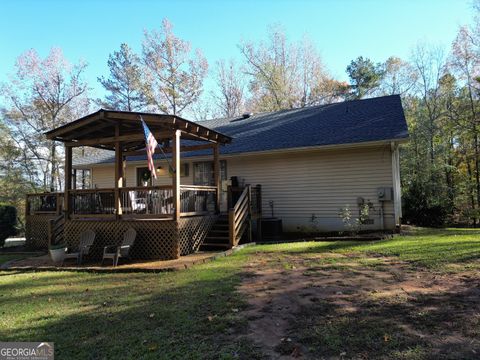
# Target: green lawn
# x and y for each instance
(190, 314)
(439, 249)
(8, 257)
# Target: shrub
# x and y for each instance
(422, 206)
(8, 222)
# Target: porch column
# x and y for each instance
(118, 174)
(68, 180)
(216, 175)
(176, 173)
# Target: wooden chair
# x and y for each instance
(85, 243)
(116, 252)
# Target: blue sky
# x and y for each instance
(342, 29)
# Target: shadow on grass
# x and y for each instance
(187, 315)
(436, 326)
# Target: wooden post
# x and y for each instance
(176, 190)
(118, 174)
(216, 176)
(118, 179)
(176, 173)
(231, 227)
(68, 179)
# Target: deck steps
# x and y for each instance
(218, 236)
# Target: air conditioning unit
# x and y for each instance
(385, 194)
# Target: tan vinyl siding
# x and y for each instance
(103, 175)
(318, 184)
(303, 185)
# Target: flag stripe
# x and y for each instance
(150, 146)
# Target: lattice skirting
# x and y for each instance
(36, 231)
(156, 239)
(192, 231)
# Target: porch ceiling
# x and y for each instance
(99, 130)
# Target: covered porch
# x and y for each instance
(170, 220)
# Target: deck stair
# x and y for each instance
(218, 236)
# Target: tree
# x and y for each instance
(124, 85)
(229, 97)
(175, 75)
(365, 76)
(285, 75)
(14, 179)
(40, 96)
(429, 64)
(398, 77)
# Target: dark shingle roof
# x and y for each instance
(348, 122)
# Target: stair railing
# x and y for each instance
(239, 217)
(55, 230)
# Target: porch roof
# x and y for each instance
(104, 127)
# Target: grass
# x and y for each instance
(438, 249)
(177, 315)
(9, 257)
(197, 313)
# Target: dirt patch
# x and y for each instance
(347, 306)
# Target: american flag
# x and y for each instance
(150, 145)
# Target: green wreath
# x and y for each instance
(146, 175)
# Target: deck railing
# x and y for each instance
(92, 202)
(152, 201)
(197, 200)
(44, 203)
(239, 217)
(135, 202)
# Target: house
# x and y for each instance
(309, 163)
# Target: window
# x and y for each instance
(144, 177)
(184, 170)
(82, 178)
(203, 172)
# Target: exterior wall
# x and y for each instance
(103, 175)
(308, 188)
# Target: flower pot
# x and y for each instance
(57, 255)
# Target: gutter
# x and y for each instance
(386, 142)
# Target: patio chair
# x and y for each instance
(122, 251)
(85, 243)
(138, 202)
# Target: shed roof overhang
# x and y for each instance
(104, 128)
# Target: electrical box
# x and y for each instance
(385, 194)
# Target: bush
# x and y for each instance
(423, 207)
(8, 222)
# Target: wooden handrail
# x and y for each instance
(55, 229)
(198, 187)
(238, 216)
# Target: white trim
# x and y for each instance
(397, 194)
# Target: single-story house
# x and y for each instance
(311, 164)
